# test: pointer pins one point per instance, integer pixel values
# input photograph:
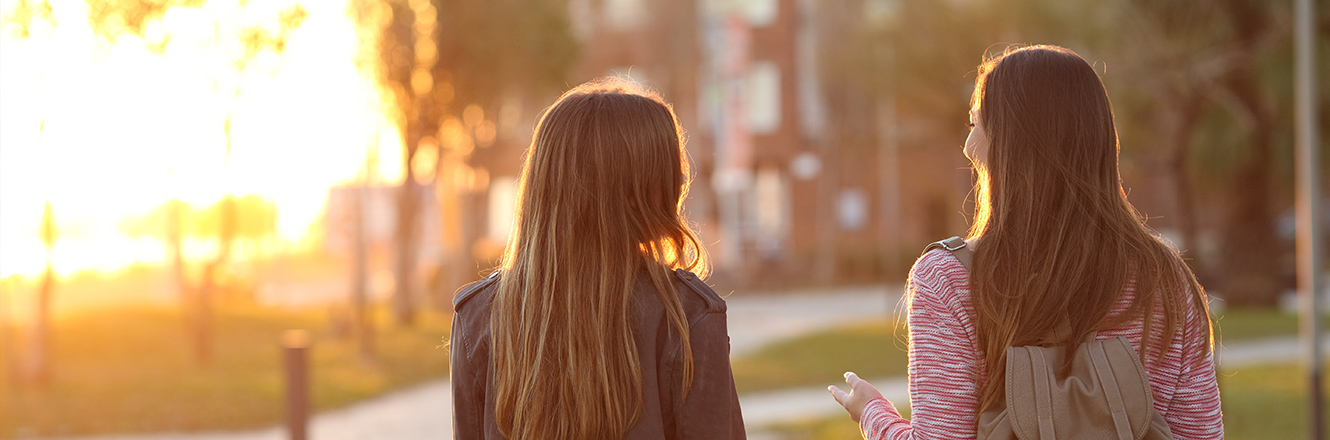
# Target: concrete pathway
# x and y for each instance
(425, 412)
(756, 319)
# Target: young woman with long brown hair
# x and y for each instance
(595, 325)
(1056, 247)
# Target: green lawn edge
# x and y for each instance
(130, 371)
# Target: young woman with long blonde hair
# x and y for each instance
(596, 326)
(1059, 256)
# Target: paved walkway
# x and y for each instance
(756, 320)
(424, 412)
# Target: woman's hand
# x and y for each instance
(861, 392)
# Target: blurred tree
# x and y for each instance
(1176, 67)
(1202, 69)
(436, 59)
(1202, 91)
(249, 218)
(25, 14)
(40, 359)
(1250, 253)
(372, 19)
(238, 44)
(252, 220)
(21, 21)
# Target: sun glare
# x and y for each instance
(109, 131)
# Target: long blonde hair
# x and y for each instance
(601, 201)
(1057, 236)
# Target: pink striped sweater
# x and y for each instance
(946, 364)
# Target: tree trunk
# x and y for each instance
(39, 361)
(175, 244)
(452, 210)
(8, 345)
(201, 321)
(203, 302)
(363, 322)
(1179, 128)
(39, 371)
(408, 201)
(1250, 249)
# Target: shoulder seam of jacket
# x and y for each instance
(470, 290)
(714, 303)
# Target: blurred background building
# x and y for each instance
(799, 177)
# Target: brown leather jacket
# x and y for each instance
(710, 411)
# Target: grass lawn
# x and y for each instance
(870, 350)
(1239, 324)
(878, 349)
(130, 371)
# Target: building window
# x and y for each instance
(581, 19)
(502, 197)
(623, 14)
(880, 14)
(763, 90)
(771, 194)
(631, 73)
(761, 12)
(852, 208)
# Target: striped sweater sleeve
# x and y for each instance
(1195, 410)
(944, 362)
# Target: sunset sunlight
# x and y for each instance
(108, 129)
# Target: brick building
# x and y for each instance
(798, 179)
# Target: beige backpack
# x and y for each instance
(1106, 395)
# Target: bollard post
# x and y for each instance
(295, 347)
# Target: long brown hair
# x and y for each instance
(1056, 236)
(601, 200)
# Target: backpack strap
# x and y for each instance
(956, 246)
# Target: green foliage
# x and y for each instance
(112, 18)
(1202, 93)
(487, 47)
(129, 371)
(23, 15)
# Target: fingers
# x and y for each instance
(852, 379)
(839, 395)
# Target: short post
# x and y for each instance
(295, 347)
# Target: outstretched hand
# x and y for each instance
(861, 392)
